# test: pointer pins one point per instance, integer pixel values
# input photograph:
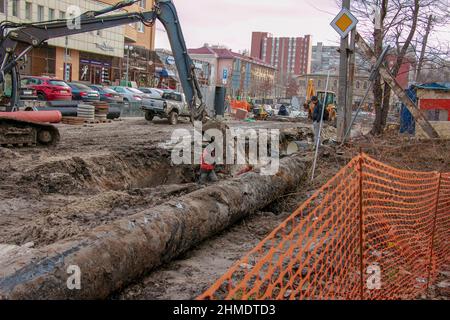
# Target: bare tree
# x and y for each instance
(292, 88)
(406, 26)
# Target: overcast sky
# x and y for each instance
(231, 22)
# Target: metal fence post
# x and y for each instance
(361, 228)
(434, 230)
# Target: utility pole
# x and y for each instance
(350, 80)
(424, 48)
(128, 48)
(344, 119)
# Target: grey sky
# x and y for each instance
(231, 22)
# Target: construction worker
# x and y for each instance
(207, 170)
(283, 111)
(316, 117)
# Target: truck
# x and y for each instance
(171, 106)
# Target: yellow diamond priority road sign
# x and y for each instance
(344, 22)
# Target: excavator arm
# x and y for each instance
(35, 34)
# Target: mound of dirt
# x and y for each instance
(125, 170)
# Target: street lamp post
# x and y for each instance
(66, 58)
(128, 48)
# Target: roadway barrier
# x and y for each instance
(130, 110)
(371, 232)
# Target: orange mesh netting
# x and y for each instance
(399, 220)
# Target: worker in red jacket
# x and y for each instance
(207, 170)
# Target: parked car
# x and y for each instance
(130, 94)
(172, 105)
(27, 93)
(48, 89)
(153, 92)
(83, 92)
(107, 94)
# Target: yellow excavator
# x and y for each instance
(330, 101)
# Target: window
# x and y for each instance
(15, 8)
(365, 85)
(62, 15)
(357, 85)
(40, 12)
(28, 11)
(142, 3)
(58, 83)
(2, 6)
(140, 27)
(33, 81)
(172, 96)
(51, 14)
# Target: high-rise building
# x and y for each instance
(290, 56)
(327, 58)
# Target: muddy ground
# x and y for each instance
(99, 173)
(96, 174)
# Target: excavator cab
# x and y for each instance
(6, 90)
(330, 99)
(330, 104)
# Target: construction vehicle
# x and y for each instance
(330, 101)
(33, 35)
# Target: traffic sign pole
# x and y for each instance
(344, 23)
(343, 73)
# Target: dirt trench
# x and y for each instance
(58, 199)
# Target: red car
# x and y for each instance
(48, 89)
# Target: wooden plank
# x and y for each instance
(398, 90)
(442, 127)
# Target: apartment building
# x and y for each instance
(243, 76)
(97, 56)
(290, 56)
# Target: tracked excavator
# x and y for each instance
(32, 35)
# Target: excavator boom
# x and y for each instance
(33, 35)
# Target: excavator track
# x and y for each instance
(19, 133)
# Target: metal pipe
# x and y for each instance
(320, 126)
(128, 63)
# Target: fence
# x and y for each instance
(371, 232)
(130, 109)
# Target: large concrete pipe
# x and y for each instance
(112, 256)
(52, 116)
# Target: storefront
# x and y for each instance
(139, 62)
(40, 61)
(94, 68)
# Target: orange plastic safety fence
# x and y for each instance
(399, 220)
